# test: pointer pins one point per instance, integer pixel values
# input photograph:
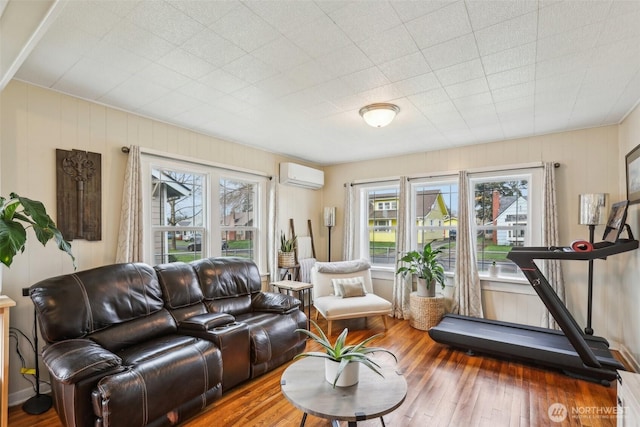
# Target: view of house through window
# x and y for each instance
(197, 211)
(501, 213)
(382, 221)
(237, 204)
(435, 218)
(501, 205)
(177, 212)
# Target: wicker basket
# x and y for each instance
(425, 311)
(286, 259)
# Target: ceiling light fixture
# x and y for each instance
(379, 115)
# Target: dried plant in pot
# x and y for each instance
(342, 360)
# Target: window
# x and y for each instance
(507, 213)
(434, 217)
(192, 219)
(237, 226)
(381, 217)
(177, 225)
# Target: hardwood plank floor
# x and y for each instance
(446, 387)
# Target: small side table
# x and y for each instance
(301, 288)
(425, 311)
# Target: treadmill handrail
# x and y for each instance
(541, 252)
(524, 257)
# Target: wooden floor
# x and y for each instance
(445, 388)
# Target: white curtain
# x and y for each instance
(551, 269)
(272, 224)
(349, 238)
(402, 285)
(130, 237)
(467, 299)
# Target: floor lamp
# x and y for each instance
(329, 221)
(592, 213)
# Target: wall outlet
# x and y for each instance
(25, 292)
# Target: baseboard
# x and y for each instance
(628, 357)
(19, 397)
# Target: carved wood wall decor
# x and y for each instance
(79, 194)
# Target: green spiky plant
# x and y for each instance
(343, 353)
(16, 215)
(287, 245)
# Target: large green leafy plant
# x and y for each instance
(16, 215)
(424, 264)
(343, 353)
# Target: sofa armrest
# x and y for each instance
(274, 302)
(205, 322)
(71, 361)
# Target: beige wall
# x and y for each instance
(626, 293)
(35, 121)
(590, 163)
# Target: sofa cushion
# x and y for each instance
(135, 331)
(334, 307)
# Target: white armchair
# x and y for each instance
(343, 290)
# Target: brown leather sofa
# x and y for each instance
(134, 345)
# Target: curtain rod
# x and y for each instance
(196, 162)
(452, 173)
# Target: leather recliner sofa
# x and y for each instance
(135, 345)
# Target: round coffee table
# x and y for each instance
(304, 385)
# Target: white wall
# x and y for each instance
(35, 121)
(627, 295)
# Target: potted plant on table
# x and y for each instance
(342, 361)
(17, 211)
(426, 267)
(286, 256)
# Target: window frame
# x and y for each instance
(211, 211)
(362, 212)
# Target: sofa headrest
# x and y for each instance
(78, 304)
(225, 277)
(179, 284)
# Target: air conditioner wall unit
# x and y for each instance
(301, 176)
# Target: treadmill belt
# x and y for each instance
(537, 345)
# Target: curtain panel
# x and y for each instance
(467, 298)
(130, 237)
(402, 285)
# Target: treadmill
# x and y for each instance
(570, 350)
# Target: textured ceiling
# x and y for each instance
(290, 76)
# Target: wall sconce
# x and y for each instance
(329, 221)
(592, 212)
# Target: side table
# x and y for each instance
(304, 385)
(301, 288)
(425, 311)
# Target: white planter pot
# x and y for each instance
(348, 377)
(421, 288)
(494, 270)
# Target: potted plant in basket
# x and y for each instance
(342, 360)
(426, 267)
(17, 211)
(286, 256)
